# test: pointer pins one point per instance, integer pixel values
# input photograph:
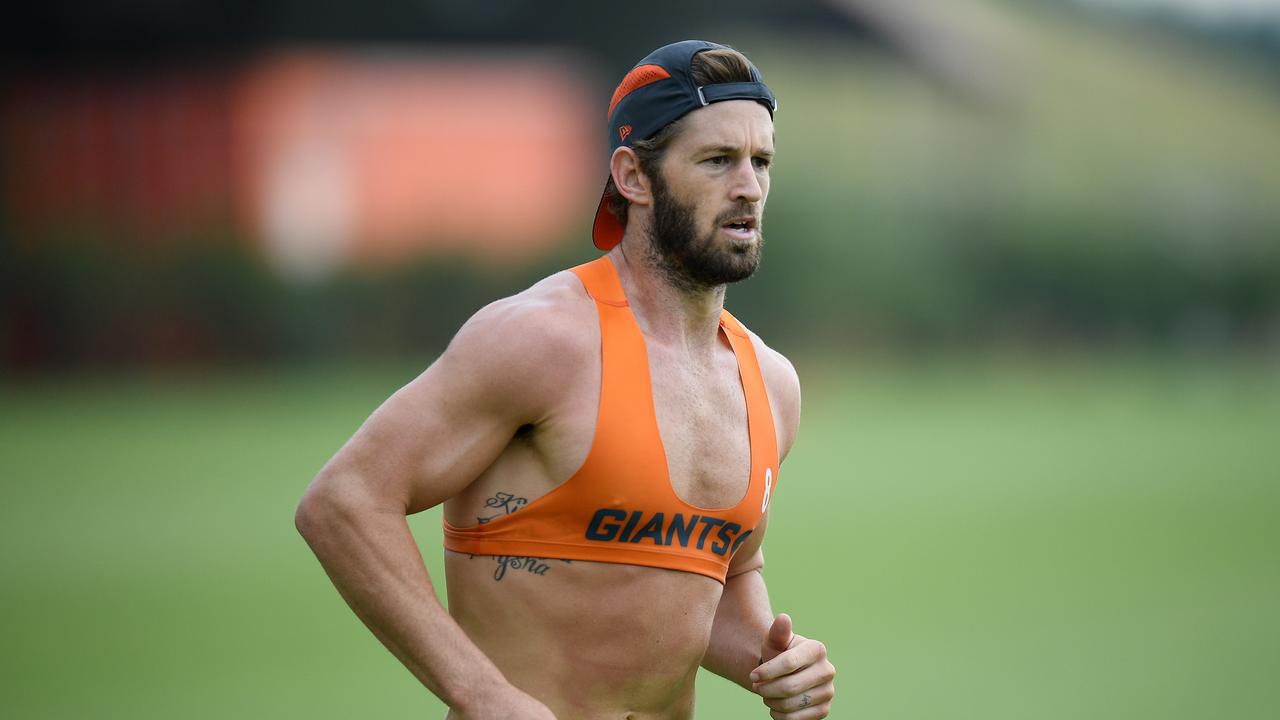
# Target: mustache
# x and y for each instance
(738, 211)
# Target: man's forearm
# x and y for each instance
(372, 558)
(742, 619)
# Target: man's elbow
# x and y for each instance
(322, 507)
(309, 516)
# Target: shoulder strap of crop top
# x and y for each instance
(626, 345)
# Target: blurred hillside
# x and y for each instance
(961, 174)
(1115, 185)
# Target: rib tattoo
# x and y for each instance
(505, 503)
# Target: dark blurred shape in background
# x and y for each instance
(203, 182)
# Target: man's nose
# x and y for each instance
(746, 183)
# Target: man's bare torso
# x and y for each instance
(600, 640)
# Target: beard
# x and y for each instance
(690, 261)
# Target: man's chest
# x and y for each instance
(701, 415)
(698, 426)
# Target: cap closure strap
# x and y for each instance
(708, 94)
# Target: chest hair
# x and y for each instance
(702, 419)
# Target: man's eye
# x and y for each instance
(762, 163)
(718, 160)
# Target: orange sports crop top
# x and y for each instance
(619, 507)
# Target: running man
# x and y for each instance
(606, 445)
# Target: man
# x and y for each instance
(606, 445)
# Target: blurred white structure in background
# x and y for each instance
(1216, 11)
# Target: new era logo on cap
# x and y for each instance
(623, 132)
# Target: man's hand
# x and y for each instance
(509, 703)
(795, 678)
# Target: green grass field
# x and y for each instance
(1086, 539)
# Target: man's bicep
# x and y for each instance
(434, 436)
(437, 434)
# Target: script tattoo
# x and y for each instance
(506, 503)
(805, 700)
(532, 565)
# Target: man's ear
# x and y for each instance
(629, 179)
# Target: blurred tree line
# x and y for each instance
(1054, 180)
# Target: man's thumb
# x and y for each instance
(778, 637)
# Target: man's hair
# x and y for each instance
(710, 67)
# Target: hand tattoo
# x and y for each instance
(805, 700)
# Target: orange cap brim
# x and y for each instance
(606, 232)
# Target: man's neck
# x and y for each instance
(672, 315)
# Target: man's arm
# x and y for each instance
(423, 445)
(791, 672)
(743, 615)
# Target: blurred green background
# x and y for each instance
(1081, 538)
(1024, 255)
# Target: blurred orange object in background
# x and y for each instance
(321, 158)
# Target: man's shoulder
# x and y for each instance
(783, 385)
(779, 373)
(555, 309)
(550, 324)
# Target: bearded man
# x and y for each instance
(606, 445)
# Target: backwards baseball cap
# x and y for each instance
(658, 91)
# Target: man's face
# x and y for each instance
(709, 195)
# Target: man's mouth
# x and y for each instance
(741, 227)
